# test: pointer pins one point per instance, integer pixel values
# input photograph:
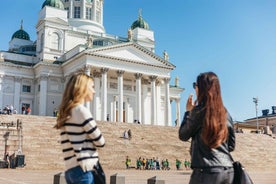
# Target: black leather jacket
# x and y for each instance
(201, 155)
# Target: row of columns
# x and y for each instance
(138, 114)
(43, 82)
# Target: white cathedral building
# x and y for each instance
(132, 83)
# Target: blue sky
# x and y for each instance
(236, 39)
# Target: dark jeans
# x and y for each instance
(76, 175)
(216, 175)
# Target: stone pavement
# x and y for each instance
(24, 176)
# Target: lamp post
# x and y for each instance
(255, 100)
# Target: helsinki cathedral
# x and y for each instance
(132, 83)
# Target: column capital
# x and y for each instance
(104, 70)
(138, 75)
(120, 72)
(153, 78)
(177, 100)
(167, 80)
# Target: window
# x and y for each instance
(76, 12)
(41, 42)
(26, 89)
(55, 41)
(66, 0)
(88, 13)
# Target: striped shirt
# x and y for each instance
(79, 138)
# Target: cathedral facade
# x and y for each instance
(132, 83)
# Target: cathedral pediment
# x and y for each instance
(131, 52)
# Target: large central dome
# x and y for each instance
(54, 3)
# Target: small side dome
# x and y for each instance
(53, 3)
(141, 23)
(21, 34)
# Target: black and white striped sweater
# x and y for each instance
(79, 138)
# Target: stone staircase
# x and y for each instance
(42, 150)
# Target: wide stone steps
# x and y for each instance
(257, 152)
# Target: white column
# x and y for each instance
(138, 77)
(177, 103)
(104, 93)
(1, 91)
(71, 9)
(43, 95)
(146, 108)
(87, 72)
(101, 12)
(17, 90)
(121, 95)
(94, 10)
(159, 118)
(153, 100)
(167, 102)
(127, 111)
(114, 108)
(97, 98)
(83, 12)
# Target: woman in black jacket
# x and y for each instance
(209, 125)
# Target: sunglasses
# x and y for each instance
(194, 85)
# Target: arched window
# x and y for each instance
(55, 41)
(41, 42)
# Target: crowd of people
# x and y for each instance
(154, 164)
(186, 163)
(9, 110)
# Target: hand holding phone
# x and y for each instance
(190, 103)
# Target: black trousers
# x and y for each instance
(214, 175)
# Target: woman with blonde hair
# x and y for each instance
(210, 126)
(78, 130)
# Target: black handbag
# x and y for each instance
(98, 173)
(240, 174)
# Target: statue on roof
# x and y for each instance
(129, 34)
(90, 41)
(165, 55)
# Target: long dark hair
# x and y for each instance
(214, 130)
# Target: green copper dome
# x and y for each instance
(141, 23)
(53, 3)
(21, 34)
